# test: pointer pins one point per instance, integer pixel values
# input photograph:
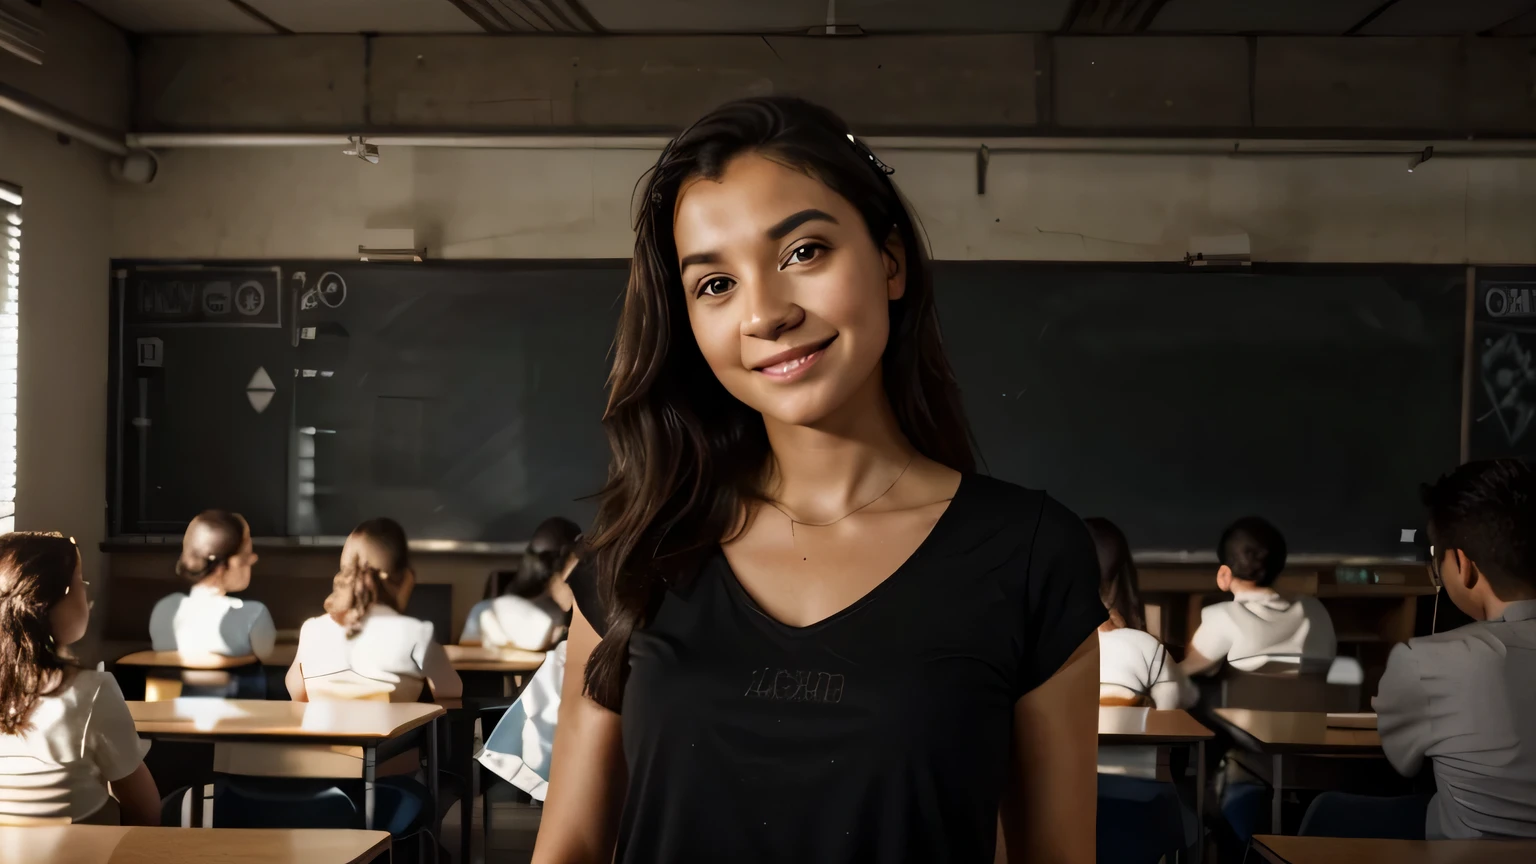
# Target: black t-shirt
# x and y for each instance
(881, 734)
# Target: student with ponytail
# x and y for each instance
(68, 747)
(811, 632)
(364, 647)
(534, 609)
(216, 558)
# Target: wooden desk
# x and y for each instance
(474, 658)
(1277, 734)
(111, 844)
(1330, 850)
(178, 660)
(363, 725)
(1148, 727)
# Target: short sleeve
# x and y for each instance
(162, 633)
(1213, 638)
(419, 650)
(1062, 605)
(471, 632)
(111, 741)
(1402, 711)
(583, 583)
(263, 631)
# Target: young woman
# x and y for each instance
(815, 635)
(533, 611)
(216, 557)
(1134, 668)
(363, 647)
(68, 747)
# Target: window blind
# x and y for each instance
(10, 332)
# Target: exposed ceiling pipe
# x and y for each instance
(36, 111)
(931, 143)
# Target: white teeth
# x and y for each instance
(789, 365)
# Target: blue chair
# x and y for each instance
(1341, 814)
(1141, 821)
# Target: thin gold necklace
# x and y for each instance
(793, 521)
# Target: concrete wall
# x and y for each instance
(576, 204)
(1350, 87)
(62, 387)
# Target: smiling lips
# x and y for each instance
(791, 364)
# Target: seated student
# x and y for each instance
(216, 557)
(68, 747)
(1466, 698)
(1140, 819)
(1134, 668)
(1257, 626)
(363, 647)
(533, 610)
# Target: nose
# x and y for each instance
(769, 311)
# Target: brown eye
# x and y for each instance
(715, 287)
(805, 254)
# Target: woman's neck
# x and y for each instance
(822, 472)
(210, 585)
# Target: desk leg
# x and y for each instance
(370, 763)
(466, 746)
(1199, 801)
(437, 825)
(1277, 787)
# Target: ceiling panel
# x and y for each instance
(707, 16)
(1525, 25)
(1312, 17)
(176, 16)
(987, 16)
(1443, 17)
(365, 16)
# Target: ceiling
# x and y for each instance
(1301, 17)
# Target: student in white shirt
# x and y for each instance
(1134, 668)
(532, 611)
(1258, 626)
(216, 557)
(1465, 699)
(1140, 818)
(363, 647)
(68, 747)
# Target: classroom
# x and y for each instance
(801, 408)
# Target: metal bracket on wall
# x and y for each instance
(983, 156)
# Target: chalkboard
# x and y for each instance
(465, 400)
(1503, 419)
(1172, 401)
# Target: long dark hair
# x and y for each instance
(370, 574)
(687, 457)
(35, 573)
(212, 538)
(1119, 586)
(552, 545)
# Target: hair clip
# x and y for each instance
(870, 155)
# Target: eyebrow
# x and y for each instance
(777, 232)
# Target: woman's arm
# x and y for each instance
(441, 676)
(137, 797)
(263, 634)
(1050, 803)
(588, 776)
(294, 680)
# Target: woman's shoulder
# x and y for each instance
(1130, 639)
(1021, 508)
(169, 602)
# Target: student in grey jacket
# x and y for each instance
(1466, 699)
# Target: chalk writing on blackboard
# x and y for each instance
(1509, 379)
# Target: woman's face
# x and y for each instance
(787, 295)
(237, 570)
(68, 618)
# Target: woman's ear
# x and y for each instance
(895, 254)
(1224, 578)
